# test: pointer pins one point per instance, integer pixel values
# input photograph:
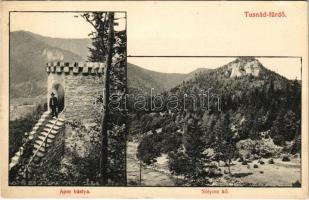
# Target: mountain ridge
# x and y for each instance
(30, 52)
(77, 46)
(28, 57)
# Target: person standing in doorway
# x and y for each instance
(53, 104)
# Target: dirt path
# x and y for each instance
(150, 177)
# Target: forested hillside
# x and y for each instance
(28, 57)
(259, 116)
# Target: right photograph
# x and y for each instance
(214, 121)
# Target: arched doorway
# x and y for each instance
(59, 93)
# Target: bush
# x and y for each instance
(151, 146)
(296, 145)
(278, 140)
(214, 172)
(255, 166)
(17, 129)
(147, 151)
(268, 148)
(286, 158)
(178, 162)
(264, 148)
(244, 162)
(261, 162)
(271, 161)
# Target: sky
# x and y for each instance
(56, 24)
(193, 30)
(186, 65)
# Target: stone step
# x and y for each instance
(55, 127)
(46, 113)
(42, 120)
(43, 149)
(15, 158)
(31, 137)
(39, 153)
(20, 151)
(50, 135)
(52, 131)
(39, 142)
(48, 140)
(38, 124)
(40, 150)
(35, 128)
(32, 132)
(61, 119)
(59, 123)
(12, 164)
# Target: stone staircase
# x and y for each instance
(41, 122)
(44, 133)
(46, 138)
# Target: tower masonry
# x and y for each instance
(79, 88)
(76, 85)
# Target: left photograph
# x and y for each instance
(68, 86)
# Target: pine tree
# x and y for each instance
(225, 146)
(109, 46)
(99, 37)
(289, 125)
(194, 146)
(277, 129)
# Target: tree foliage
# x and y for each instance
(109, 46)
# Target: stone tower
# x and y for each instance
(74, 138)
(76, 86)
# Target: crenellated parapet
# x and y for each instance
(76, 67)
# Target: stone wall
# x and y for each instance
(81, 94)
(55, 152)
(83, 85)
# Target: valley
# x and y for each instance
(259, 118)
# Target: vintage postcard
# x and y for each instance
(154, 99)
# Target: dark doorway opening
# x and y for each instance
(59, 93)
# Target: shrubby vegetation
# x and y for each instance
(154, 144)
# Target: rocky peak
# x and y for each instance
(244, 66)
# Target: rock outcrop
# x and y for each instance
(245, 66)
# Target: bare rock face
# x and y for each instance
(244, 67)
(52, 54)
